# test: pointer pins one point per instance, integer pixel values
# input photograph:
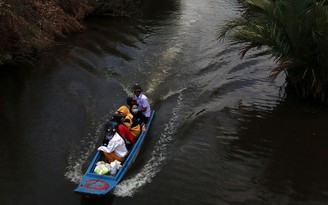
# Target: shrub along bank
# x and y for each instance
(29, 26)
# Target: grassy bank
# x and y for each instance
(29, 26)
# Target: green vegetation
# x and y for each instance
(29, 26)
(292, 32)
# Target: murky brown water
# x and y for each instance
(223, 134)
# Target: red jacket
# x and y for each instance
(125, 132)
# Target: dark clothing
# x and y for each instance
(141, 118)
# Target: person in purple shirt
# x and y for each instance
(143, 112)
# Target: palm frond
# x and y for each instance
(292, 32)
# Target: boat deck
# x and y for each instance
(98, 185)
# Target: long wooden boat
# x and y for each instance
(93, 184)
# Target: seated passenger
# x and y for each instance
(135, 111)
(130, 101)
(129, 121)
(123, 130)
(114, 145)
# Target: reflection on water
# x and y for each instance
(286, 152)
(222, 134)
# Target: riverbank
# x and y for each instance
(30, 26)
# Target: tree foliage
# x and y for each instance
(292, 32)
(29, 26)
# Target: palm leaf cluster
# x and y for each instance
(292, 32)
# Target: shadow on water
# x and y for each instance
(104, 200)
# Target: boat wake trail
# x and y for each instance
(131, 185)
(77, 158)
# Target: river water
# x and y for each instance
(223, 132)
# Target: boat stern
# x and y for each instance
(96, 185)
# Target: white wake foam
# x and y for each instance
(79, 154)
(130, 186)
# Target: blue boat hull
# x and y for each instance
(93, 184)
